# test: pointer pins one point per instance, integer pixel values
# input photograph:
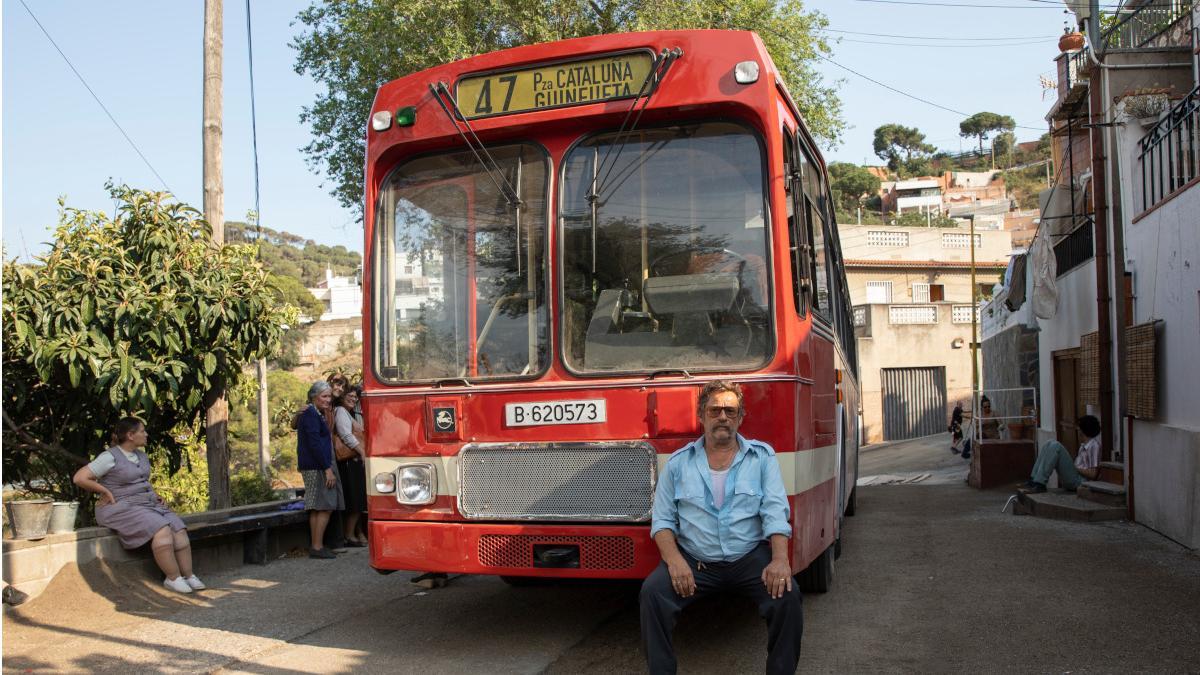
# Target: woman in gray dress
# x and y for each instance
(129, 505)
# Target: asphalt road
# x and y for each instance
(933, 578)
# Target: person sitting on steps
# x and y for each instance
(1071, 473)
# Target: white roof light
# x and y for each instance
(746, 72)
(382, 120)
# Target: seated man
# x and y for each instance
(1054, 457)
(721, 523)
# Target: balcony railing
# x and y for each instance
(1074, 249)
(1169, 153)
(1159, 23)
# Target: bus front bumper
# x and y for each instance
(568, 551)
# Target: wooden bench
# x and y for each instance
(254, 528)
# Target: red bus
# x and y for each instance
(564, 242)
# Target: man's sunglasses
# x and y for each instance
(716, 410)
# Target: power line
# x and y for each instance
(943, 46)
(94, 96)
(940, 37)
(1050, 4)
(906, 94)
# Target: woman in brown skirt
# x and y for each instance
(129, 505)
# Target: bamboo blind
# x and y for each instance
(1089, 369)
(1141, 370)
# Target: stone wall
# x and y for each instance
(1010, 361)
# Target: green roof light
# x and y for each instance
(406, 116)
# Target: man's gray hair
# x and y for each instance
(715, 387)
(317, 388)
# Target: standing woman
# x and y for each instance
(129, 505)
(353, 472)
(314, 455)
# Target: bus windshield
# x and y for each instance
(665, 260)
(460, 281)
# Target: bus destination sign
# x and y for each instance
(563, 84)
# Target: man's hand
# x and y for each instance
(777, 577)
(330, 481)
(682, 579)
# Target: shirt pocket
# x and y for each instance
(746, 499)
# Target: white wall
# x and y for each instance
(1076, 316)
(1162, 250)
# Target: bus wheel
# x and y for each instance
(852, 502)
(818, 576)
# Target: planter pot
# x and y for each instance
(29, 518)
(62, 517)
(1070, 42)
(1147, 122)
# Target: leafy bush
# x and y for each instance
(250, 487)
(186, 490)
(134, 314)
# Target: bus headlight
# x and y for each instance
(416, 484)
(385, 482)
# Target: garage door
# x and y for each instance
(914, 402)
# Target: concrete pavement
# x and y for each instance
(932, 578)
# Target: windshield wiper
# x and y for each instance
(669, 371)
(452, 380)
(490, 166)
(658, 71)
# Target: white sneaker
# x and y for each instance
(195, 583)
(177, 584)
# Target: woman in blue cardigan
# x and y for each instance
(314, 455)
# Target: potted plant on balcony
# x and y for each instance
(1071, 41)
(1146, 105)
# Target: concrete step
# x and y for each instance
(1102, 492)
(1112, 472)
(1066, 506)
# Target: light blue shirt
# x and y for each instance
(755, 506)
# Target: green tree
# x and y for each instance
(851, 183)
(903, 148)
(285, 395)
(982, 124)
(351, 47)
(134, 314)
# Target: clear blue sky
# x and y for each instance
(144, 61)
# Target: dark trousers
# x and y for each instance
(661, 605)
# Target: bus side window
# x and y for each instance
(794, 194)
(818, 226)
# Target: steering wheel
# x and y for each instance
(741, 259)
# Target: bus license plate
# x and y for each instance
(555, 412)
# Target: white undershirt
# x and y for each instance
(718, 484)
(105, 462)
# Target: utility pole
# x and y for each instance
(974, 322)
(216, 406)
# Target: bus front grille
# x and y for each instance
(611, 481)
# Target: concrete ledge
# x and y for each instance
(1066, 506)
(30, 565)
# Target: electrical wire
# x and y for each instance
(937, 37)
(96, 98)
(253, 127)
(943, 46)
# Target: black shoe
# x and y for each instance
(14, 597)
(1031, 487)
(321, 553)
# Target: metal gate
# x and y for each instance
(914, 402)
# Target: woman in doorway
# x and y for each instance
(349, 429)
(130, 506)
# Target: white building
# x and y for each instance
(923, 195)
(342, 296)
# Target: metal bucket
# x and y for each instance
(63, 517)
(29, 518)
